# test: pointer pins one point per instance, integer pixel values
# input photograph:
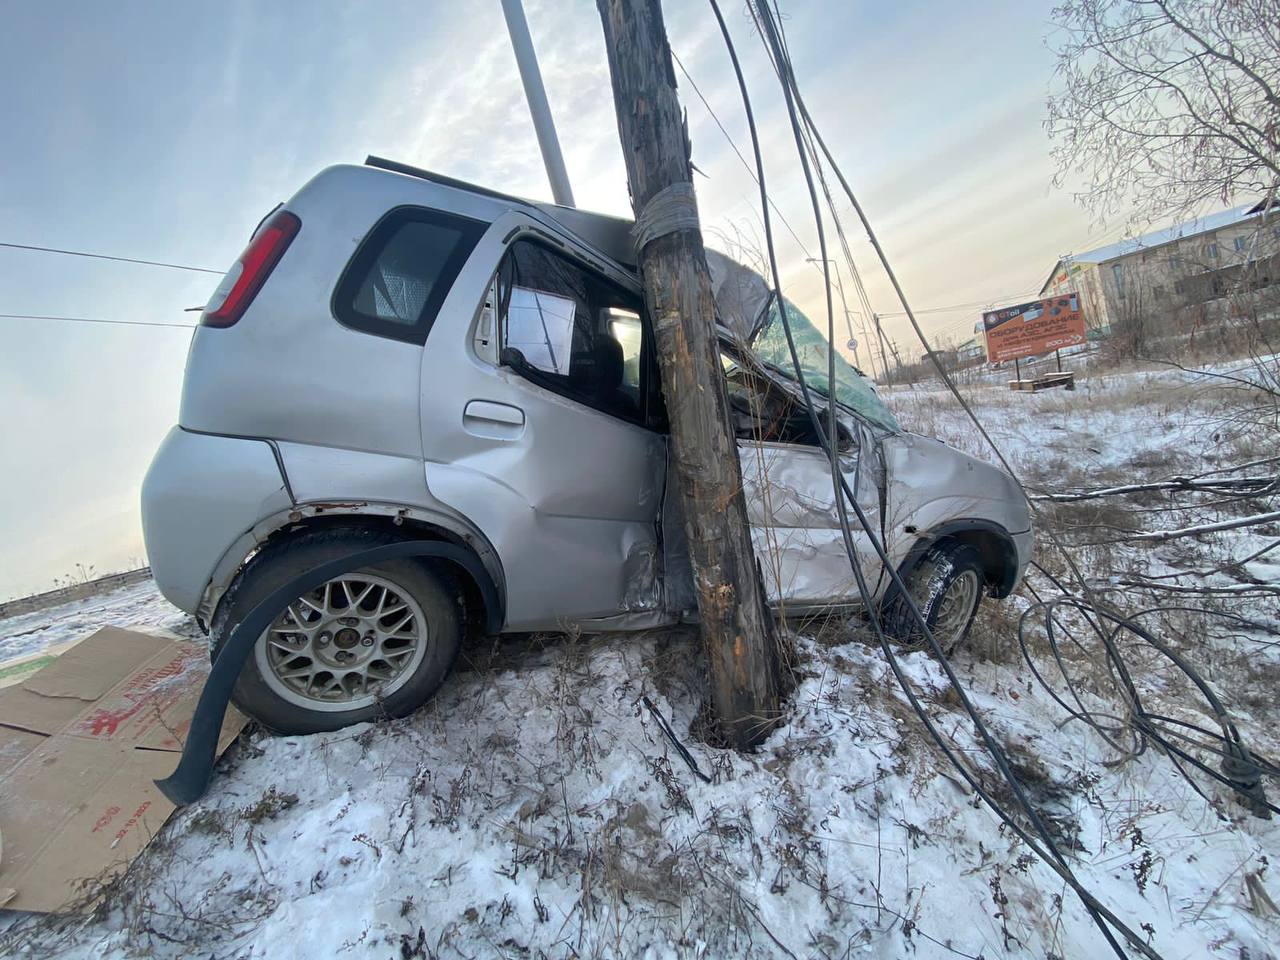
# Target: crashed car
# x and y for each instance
(401, 355)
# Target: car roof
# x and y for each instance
(610, 235)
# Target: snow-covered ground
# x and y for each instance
(137, 606)
(535, 808)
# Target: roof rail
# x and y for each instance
(396, 166)
(610, 235)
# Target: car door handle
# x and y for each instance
(496, 421)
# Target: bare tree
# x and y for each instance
(1167, 105)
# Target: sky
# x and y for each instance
(166, 131)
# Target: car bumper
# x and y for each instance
(201, 493)
(1023, 543)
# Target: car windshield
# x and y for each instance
(852, 389)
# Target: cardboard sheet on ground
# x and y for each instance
(81, 740)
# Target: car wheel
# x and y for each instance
(373, 643)
(946, 585)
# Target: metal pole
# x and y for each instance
(1058, 354)
(848, 321)
(543, 123)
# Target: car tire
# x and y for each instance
(391, 673)
(947, 584)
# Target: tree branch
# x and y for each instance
(1174, 483)
(1208, 48)
(1160, 536)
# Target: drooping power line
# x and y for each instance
(957, 307)
(1034, 832)
(735, 149)
(951, 308)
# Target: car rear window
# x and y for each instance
(401, 274)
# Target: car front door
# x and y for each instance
(789, 492)
(795, 527)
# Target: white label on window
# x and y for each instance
(540, 326)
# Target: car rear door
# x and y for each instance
(552, 450)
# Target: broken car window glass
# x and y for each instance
(852, 389)
(762, 411)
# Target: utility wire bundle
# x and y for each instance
(1183, 741)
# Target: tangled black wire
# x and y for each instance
(1183, 741)
(1129, 733)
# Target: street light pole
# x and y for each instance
(544, 124)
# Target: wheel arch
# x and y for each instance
(476, 566)
(992, 541)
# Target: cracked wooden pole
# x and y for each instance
(737, 628)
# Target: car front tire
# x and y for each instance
(947, 585)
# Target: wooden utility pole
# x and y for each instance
(737, 628)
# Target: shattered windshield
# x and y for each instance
(852, 389)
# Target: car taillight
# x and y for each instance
(250, 272)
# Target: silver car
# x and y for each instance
(401, 355)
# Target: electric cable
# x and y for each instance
(1242, 770)
(103, 256)
(120, 323)
(734, 147)
(1053, 857)
(957, 307)
(1059, 863)
(859, 286)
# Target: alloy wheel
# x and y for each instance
(955, 608)
(345, 645)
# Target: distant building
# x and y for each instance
(971, 350)
(945, 356)
(1193, 263)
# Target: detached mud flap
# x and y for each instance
(191, 778)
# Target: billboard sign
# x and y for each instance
(1030, 329)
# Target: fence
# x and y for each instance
(74, 591)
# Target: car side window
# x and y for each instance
(627, 329)
(761, 411)
(572, 331)
(398, 279)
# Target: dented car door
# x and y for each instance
(795, 527)
(550, 452)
